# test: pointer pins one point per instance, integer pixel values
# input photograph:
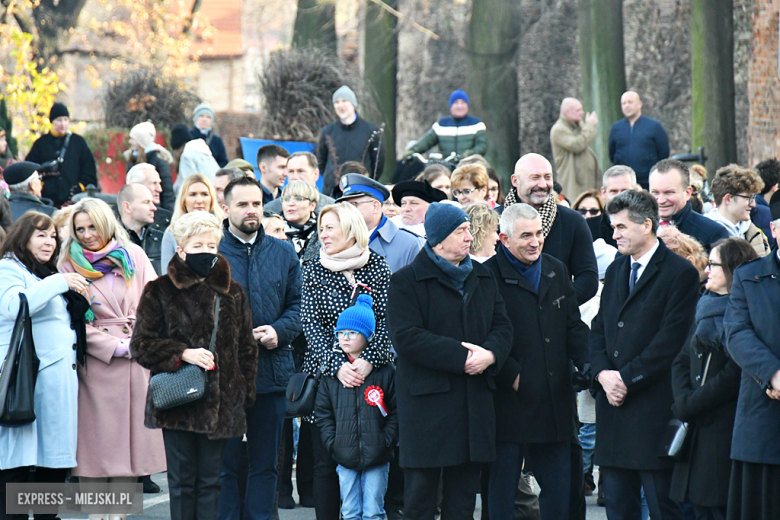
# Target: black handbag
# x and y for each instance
(676, 441)
(188, 384)
(19, 372)
(302, 393)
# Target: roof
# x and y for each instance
(225, 18)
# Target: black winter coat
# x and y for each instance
(270, 274)
(709, 409)
(151, 243)
(600, 227)
(78, 166)
(163, 167)
(356, 433)
(189, 315)
(350, 143)
(548, 332)
(446, 416)
(21, 203)
(216, 145)
(640, 334)
(706, 231)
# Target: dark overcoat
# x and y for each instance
(639, 334)
(548, 332)
(188, 305)
(446, 417)
(753, 341)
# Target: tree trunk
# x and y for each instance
(600, 24)
(315, 25)
(53, 21)
(491, 78)
(712, 89)
(380, 66)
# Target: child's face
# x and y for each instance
(353, 347)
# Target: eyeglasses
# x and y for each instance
(494, 189)
(297, 198)
(591, 211)
(458, 193)
(750, 198)
(712, 264)
(359, 202)
(350, 334)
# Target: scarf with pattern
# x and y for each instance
(548, 211)
(94, 264)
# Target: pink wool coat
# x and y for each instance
(112, 438)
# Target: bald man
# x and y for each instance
(636, 140)
(571, 137)
(136, 209)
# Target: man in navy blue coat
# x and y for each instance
(636, 140)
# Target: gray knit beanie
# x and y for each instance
(345, 93)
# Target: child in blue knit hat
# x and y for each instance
(359, 425)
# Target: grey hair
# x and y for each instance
(640, 204)
(22, 187)
(232, 173)
(514, 213)
(136, 174)
(618, 171)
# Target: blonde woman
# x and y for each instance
(113, 444)
(299, 200)
(196, 194)
(273, 225)
(484, 230)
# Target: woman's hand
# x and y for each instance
(774, 392)
(362, 367)
(199, 356)
(75, 281)
(349, 376)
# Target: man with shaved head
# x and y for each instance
(571, 137)
(135, 205)
(636, 140)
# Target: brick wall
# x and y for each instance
(763, 84)
(232, 125)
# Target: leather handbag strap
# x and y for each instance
(216, 321)
(706, 369)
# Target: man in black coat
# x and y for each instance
(351, 138)
(615, 181)
(670, 184)
(136, 210)
(24, 181)
(448, 323)
(647, 310)
(566, 235)
(534, 397)
(76, 169)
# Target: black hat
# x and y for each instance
(420, 189)
(180, 135)
(19, 172)
(356, 185)
(58, 110)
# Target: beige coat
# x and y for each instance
(112, 438)
(575, 162)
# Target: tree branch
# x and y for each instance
(188, 22)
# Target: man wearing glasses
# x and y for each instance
(670, 184)
(24, 181)
(735, 190)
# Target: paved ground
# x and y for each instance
(157, 506)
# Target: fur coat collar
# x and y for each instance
(183, 277)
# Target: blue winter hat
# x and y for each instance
(360, 317)
(441, 219)
(458, 94)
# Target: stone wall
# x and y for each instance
(763, 87)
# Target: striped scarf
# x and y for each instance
(94, 264)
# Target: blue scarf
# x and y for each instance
(532, 273)
(710, 335)
(378, 227)
(456, 273)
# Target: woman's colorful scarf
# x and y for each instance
(94, 264)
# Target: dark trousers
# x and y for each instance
(460, 485)
(327, 495)
(622, 494)
(394, 497)
(551, 465)
(303, 472)
(304, 466)
(25, 474)
(709, 513)
(194, 462)
(577, 488)
(264, 423)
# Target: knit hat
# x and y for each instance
(360, 317)
(19, 172)
(458, 94)
(204, 108)
(242, 165)
(420, 189)
(441, 220)
(180, 135)
(144, 134)
(345, 93)
(58, 110)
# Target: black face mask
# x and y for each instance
(201, 263)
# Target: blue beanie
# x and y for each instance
(458, 94)
(359, 317)
(441, 219)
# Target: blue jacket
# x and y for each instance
(639, 147)
(397, 246)
(706, 231)
(761, 216)
(753, 341)
(270, 274)
(215, 143)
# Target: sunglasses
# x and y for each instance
(592, 211)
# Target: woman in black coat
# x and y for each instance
(344, 268)
(705, 381)
(175, 323)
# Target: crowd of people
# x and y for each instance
(463, 338)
